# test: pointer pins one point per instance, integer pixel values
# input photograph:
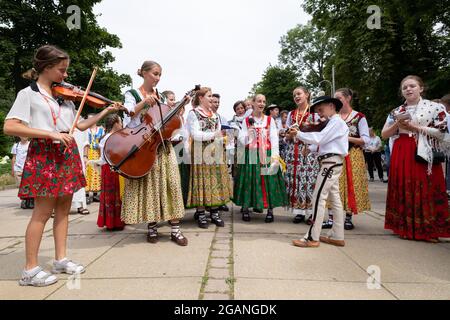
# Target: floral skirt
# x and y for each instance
(51, 170)
(253, 189)
(360, 183)
(416, 205)
(93, 178)
(110, 202)
(300, 177)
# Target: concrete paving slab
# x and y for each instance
(82, 249)
(134, 257)
(178, 288)
(260, 289)
(8, 242)
(281, 260)
(11, 290)
(402, 260)
(420, 291)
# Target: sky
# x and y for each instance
(225, 45)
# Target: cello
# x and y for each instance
(131, 152)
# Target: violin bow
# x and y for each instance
(86, 92)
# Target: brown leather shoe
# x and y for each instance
(302, 243)
(337, 243)
(179, 239)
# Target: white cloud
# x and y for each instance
(225, 44)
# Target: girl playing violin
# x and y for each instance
(157, 196)
(52, 171)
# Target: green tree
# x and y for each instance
(413, 39)
(27, 24)
(306, 50)
(277, 85)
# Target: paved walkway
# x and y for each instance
(241, 261)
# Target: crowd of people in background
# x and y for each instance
(316, 161)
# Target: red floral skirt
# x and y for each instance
(416, 205)
(51, 170)
(110, 203)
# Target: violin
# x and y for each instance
(315, 127)
(70, 92)
(131, 152)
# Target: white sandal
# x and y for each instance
(39, 278)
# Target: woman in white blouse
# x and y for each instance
(416, 204)
(259, 183)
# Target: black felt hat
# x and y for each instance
(326, 99)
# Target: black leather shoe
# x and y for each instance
(31, 204)
(327, 225)
(269, 216)
(197, 214)
(299, 219)
(224, 208)
(348, 224)
(245, 215)
(217, 220)
(203, 222)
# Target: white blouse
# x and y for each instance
(102, 146)
(35, 107)
(196, 131)
(130, 103)
(363, 127)
(262, 123)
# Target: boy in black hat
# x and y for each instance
(331, 143)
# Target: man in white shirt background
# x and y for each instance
(372, 152)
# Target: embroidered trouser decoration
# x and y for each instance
(327, 188)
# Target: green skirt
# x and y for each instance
(253, 190)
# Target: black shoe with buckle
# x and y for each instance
(269, 216)
(224, 208)
(197, 213)
(216, 219)
(299, 219)
(246, 215)
(202, 221)
(348, 225)
(328, 224)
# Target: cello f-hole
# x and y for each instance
(137, 132)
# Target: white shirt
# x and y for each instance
(374, 144)
(31, 107)
(363, 127)
(196, 132)
(20, 150)
(130, 103)
(332, 139)
(102, 146)
(262, 123)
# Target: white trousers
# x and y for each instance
(327, 188)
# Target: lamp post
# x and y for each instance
(331, 85)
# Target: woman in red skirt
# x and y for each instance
(52, 170)
(416, 205)
(110, 201)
